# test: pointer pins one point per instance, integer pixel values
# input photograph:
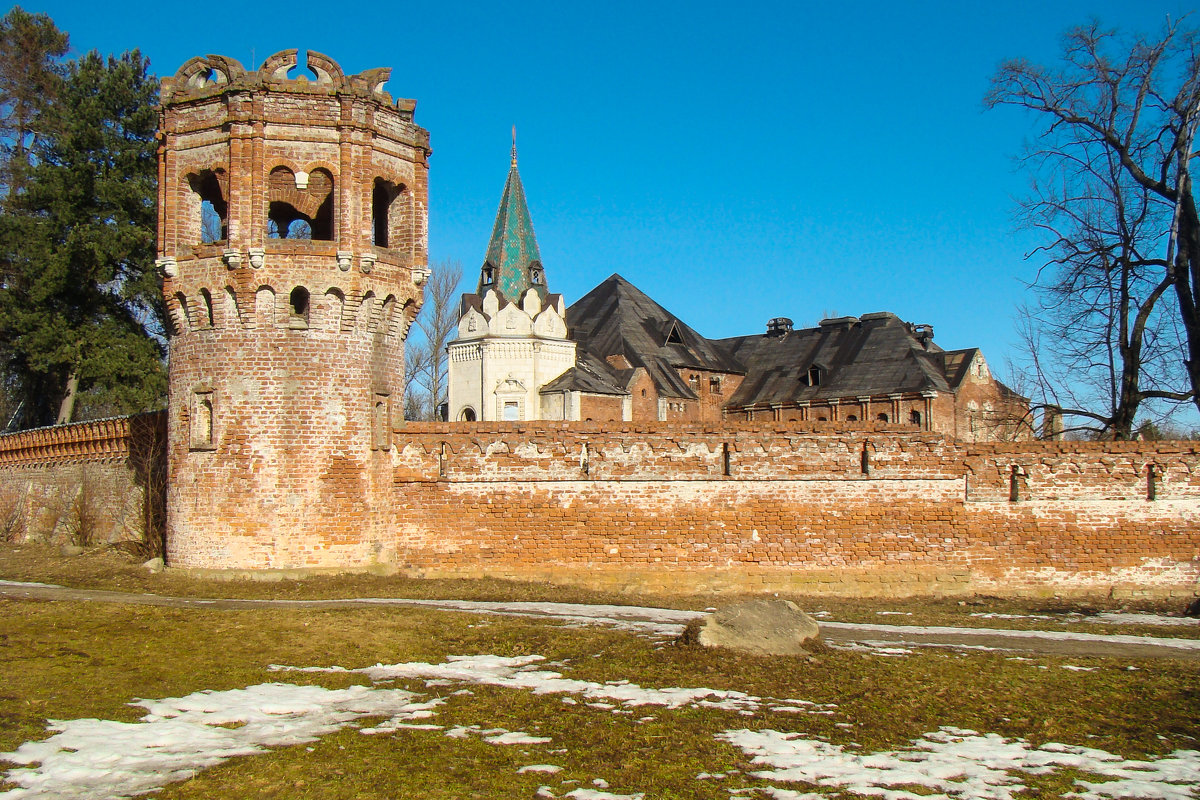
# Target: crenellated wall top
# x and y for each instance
(211, 75)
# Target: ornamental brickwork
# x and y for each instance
(292, 238)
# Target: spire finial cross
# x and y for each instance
(514, 150)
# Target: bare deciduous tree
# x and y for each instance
(425, 355)
(1112, 191)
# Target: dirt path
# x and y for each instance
(670, 622)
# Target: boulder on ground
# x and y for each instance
(765, 627)
(154, 565)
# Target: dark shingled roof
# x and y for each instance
(590, 375)
(617, 318)
(877, 354)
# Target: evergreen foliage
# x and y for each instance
(81, 314)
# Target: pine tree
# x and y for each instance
(80, 306)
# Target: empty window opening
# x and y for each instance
(914, 417)
(814, 376)
(643, 392)
(822, 419)
(882, 418)
(214, 210)
(298, 302)
(694, 382)
(383, 195)
(536, 277)
(1014, 484)
(206, 309)
(442, 453)
(673, 335)
(489, 275)
(467, 415)
(714, 384)
(726, 465)
(852, 418)
(865, 464)
(300, 210)
(511, 411)
(1151, 483)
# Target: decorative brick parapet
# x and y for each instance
(95, 440)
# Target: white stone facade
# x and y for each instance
(504, 354)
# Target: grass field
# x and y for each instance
(72, 661)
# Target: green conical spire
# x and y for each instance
(512, 264)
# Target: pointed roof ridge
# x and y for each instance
(513, 264)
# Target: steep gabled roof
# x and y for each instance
(877, 354)
(617, 318)
(512, 253)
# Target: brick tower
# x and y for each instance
(292, 238)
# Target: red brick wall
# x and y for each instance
(89, 483)
(650, 506)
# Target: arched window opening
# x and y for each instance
(714, 384)
(852, 418)
(882, 418)
(301, 206)
(206, 309)
(383, 195)
(914, 417)
(822, 419)
(694, 382)
(489, 275)
(298, 303)
(536, 276)
(381, 427)
(467, 415)
(209, 186)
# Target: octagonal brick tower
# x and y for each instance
(292, 238)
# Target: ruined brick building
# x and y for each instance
(292, 243)
(617, 355)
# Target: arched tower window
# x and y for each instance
(383, 200)
(914, 417)
(298, 303)
(209, 186)
(301, 205)
(206, 309)
(467, 415)
(536, 276)
(488, 276)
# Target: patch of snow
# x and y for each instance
(894, 613)
(93, 759)
(592, 794)
(520, 673)
(876, 648)
(963, 764)
(994, 615)
(516, 737)
(549, 769)
(30, 584)
(1074, 668)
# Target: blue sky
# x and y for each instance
(735, 161)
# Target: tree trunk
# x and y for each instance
(67, 409)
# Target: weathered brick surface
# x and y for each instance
(280, 416)
(88, 483)
(650, 506)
